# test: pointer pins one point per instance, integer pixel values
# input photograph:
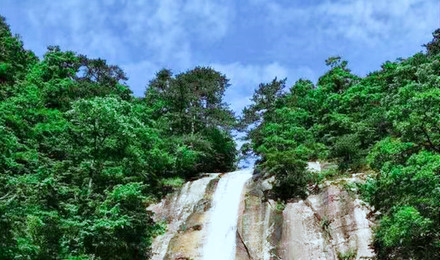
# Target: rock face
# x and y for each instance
(184, 213)
(330, 224)
(259, 223)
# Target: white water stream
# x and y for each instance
(220, 242)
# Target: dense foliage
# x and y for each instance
(388, 121)
(80, 157)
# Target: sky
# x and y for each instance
(251, 41)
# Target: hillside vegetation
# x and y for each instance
(80, 157)
(387, 121)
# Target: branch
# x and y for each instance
(429, 140)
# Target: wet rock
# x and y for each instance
(267, 184)
(329, 224)
(184, 213)
(257, 225)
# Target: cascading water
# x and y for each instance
(222, 227)
(205, 215)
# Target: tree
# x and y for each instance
(190, 110)
(433, 47)
(81, 158)
(264, 101)
(97, 78)
(15, 61)
(387, 121)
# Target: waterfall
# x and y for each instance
(220, 242)
(204, 216)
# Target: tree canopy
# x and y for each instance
(81, 157)
(387, 121)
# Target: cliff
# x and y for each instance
(332, 223)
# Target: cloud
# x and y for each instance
(368, 21)
(165, 30)
(244, 78)
(250, 41)
(375, 20)
(75, 25)
(140, 36)
(170, 30)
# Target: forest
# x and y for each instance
(386, 123)
(81, 157)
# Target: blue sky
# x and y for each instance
(251, 41)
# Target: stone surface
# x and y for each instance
(326, 225)
(184, 212)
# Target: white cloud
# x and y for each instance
(368, 21)
(165, 30)
(74, 25)
(145, 36)
(244, 78)
(374, 20)
(169, 28)
(140, 36)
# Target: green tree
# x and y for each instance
(387, 121)
(15, 61)
(190, 110)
